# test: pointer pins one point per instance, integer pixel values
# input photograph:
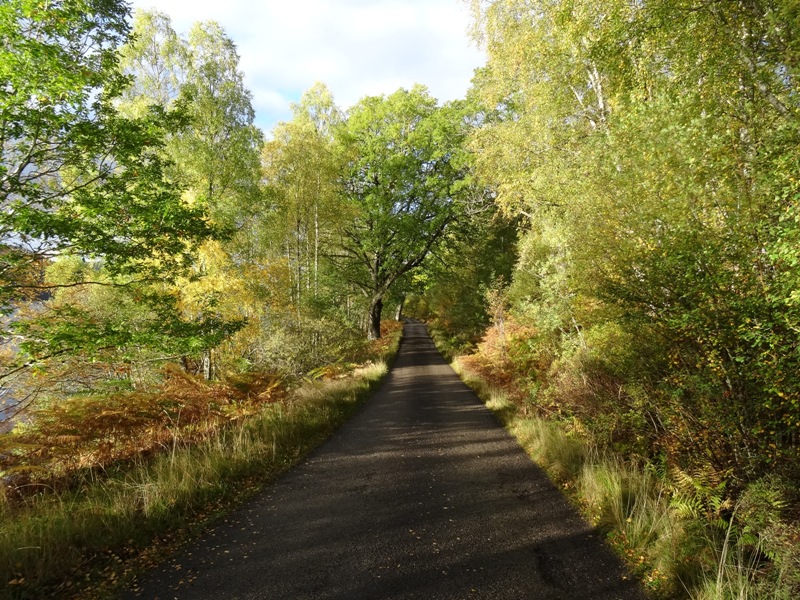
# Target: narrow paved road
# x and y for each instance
(421, 495)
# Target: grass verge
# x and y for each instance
(89, 540)
(669, 542)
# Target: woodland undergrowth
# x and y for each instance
(683, 534)
(98, 488)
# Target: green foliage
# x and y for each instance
(301, 170)
(652, 147)
(216, 156)
(75, 176)
(451, 286)
(316, 317)
(216, 159)
(134, 166)
(405, 182)
(52, 544)
(123, 319)
(81, 181)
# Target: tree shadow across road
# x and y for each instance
(421, 495)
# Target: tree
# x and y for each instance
(301, 168)
(405, 181)
(77, 177)
(156, 59)
(215, 157)
(652, 146)
(82, 183)
(217, 154)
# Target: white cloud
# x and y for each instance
(356, 47)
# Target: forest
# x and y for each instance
(603, 234)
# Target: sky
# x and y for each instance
(356, 47)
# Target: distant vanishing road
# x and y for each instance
(421, 495)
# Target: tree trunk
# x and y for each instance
(299, 256)
(316, 249)
(375, 310)
(208, 368)
(399, 315)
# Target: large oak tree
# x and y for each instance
(405, 181)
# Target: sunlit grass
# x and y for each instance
(53, 543)
(630, 503)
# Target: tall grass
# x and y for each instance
(675, 553)
(54, 543)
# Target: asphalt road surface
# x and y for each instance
(421, 495)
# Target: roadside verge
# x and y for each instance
(87, 542)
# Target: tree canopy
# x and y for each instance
(97, 225)
(405, 181)
(652, 148)
(76, 176)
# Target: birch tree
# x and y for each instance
(649, 146)
(301, 170)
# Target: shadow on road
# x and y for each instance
(421, 495)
